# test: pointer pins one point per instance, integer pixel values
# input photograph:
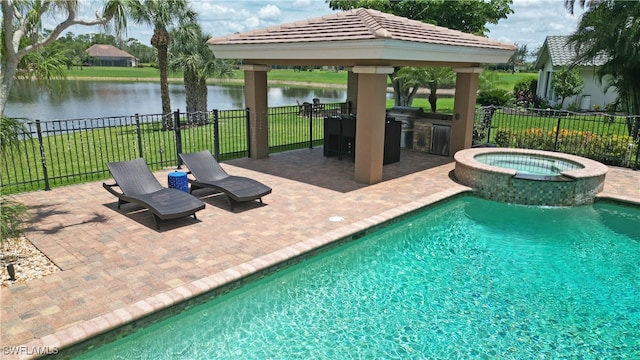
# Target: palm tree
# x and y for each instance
(189, 53)
(612, 29)
(571, 4)
(161, 14)
(406, 82)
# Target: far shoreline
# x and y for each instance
(240, 82)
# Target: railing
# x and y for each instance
(61, 152)
(610, 139)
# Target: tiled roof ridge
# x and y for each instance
(372, 23)
(422, 24)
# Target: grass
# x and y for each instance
(507, 80)
(110, 72)
(81, 155)
(504, 80)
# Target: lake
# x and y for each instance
(92, 99)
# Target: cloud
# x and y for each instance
(534, 20)
(269, 12)
(530, 23)
(301, 3)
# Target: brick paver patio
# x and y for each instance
(118, 267)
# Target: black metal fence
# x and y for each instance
(60, 152)
(610, 139)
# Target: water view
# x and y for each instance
(90, 99)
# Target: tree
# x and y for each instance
(144, 53)
(471, 16)
(518, 57)
(566, 83)
(611, 29)
(412, 78)
(161, 15)
(22, 22)
(189, 53)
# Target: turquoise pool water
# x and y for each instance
(466, 279)
(528, 163)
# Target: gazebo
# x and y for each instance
(370, 44)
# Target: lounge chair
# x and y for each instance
(209, 174)
(139, 186)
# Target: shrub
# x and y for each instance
(12, 219)
(609, 149)
(479, 133)
(493, 97)
(524, 92)
(503, 137)
(532, 139)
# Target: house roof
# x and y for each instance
(359, 37)
(561, 54)
(101, 50)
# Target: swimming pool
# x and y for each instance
(469, 278)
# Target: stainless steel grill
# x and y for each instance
(406, 115)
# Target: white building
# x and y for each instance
(555, 54)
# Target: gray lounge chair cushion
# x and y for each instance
(209, 174)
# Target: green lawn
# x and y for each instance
(108, 72)
(505, 80)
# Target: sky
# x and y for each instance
(530, 23)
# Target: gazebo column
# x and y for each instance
(464, 106)
(255, 94)
(352, 89)
(370, 123)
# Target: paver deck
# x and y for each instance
(117, 266)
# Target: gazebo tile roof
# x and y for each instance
(360, 24)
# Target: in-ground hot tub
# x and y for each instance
(530, 177)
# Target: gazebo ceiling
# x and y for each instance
(360, 37)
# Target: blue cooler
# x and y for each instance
(178, 180)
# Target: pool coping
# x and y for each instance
(591, 168)
(80, 337)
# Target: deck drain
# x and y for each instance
(336, 218)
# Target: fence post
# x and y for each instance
(637, 166)
(42, 156)
(176, 129)
(216, 135)
(139, 133)
(247, 114)
(311, 132)
(492, 111)
(555, 144)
